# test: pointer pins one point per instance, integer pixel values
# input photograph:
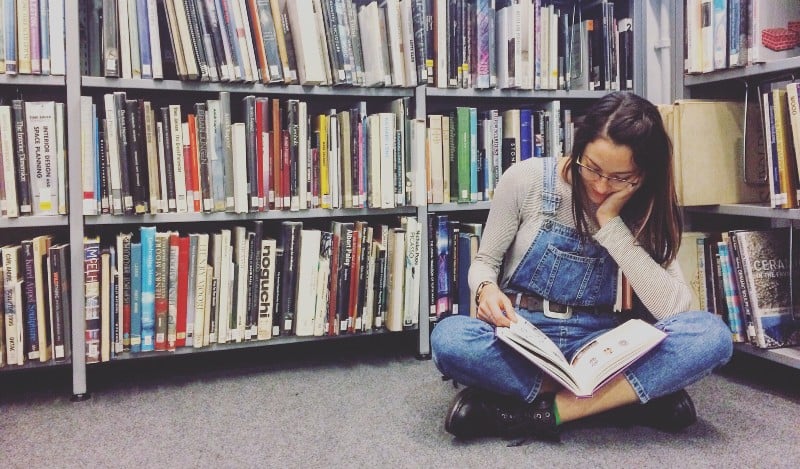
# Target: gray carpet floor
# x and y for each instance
(364, 403)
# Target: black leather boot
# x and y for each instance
(475, 413)
(671, 413)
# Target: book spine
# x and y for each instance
(21, 152)
(148, 287)
(31, 342)
(91, 282)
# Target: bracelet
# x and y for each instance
(479, 290)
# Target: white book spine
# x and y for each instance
(124, 34)
(388, 143)
(333, 159)
(57, 49)
(112, 152)
(247, 41)
(239, 168)
(155, 39)
(186, 140)
(43, 165)
(176, 132)
(163, 203)
(396, 46)
(7, 149)
(90, 171)
(307, 48)
(308, 265)
(302, 155)
(239, 302)
(266, 285)
(201, 287)
(225, 272)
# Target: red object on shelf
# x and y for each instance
(779, 39)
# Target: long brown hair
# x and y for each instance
(652, 213)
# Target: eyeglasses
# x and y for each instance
(593, 175)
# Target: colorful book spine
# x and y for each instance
(136, 297)
(91, 283)
(147, 236)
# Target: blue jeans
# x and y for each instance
(467, 350)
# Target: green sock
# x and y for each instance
(555, 414)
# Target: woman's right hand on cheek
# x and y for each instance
(495, 308)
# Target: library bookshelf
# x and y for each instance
(422, 101)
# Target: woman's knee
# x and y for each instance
(707, 336)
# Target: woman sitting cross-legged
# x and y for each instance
(559, 230)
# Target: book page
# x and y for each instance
(601, 358)
(530, 337)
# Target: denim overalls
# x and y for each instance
(562, 267)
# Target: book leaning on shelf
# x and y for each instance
(594, 364)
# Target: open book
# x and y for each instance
(594, 363)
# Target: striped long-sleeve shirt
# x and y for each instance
(515, 218)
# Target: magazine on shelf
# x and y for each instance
(594, 364)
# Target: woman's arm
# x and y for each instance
(663, 291)
(501, 224)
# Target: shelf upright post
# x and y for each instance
(75, 197)
(424, 344)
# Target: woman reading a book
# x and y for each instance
(559, 232)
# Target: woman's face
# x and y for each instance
(605, 168)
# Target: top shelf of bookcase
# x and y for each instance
(32, 80)
(255, 88)
(509, 94)
(751, 71)
(748, 210)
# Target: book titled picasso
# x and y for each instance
(594, 364)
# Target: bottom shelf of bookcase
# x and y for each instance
(254, 344)
(31, 364)
(789, 356)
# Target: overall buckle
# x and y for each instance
(566, 314)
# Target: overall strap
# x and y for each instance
(550, 198)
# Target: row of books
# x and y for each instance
(35, 308)
(452, 245)
(735, 33)
(751, 279)
(162, 290)
(781, 119)
(33, 162)
(469, 149)
(32, 37)
(447, 43)
(140, 159)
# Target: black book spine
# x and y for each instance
(334, 42)
(206, 41)
(346, 259)
(214, 30)
(287, 37)
(55, 253)
(420, 36)
(291, 238)
(254, 275)
(277, 303)
(452, 260)
(122, 139)
(252, 255)
(196, 39)
(105, 192)
(249, 105)
(169, 169)
(167, 53)
(202, 157)
(137, 168)
(294, 143)
(21, 157)
(432, 272)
